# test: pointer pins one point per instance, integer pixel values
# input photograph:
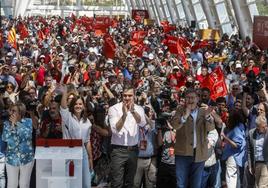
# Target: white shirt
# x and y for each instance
(194, 116)
(73, 128)
(129, 134)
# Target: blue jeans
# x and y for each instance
(211, 176)
(187, 169)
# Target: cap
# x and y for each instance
(160, 52)
(151, 56)
(176, 67)
(9, 54)
(238, 65)
(109, 61)
(42, 56)
(61, 54)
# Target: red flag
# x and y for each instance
(22, 30)
(109, 47)
(184, 42)
(138, 49)
(168, 27)
(41, 35)
(171, 43)
(200, 44)
(137, 37)
(174, 47)
(164, 23)
(182, 56)
(216, 83)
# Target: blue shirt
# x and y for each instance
(147, 134)
(238, 136)
(19, 142)
(128, 75)
(2, 148)
(259, 147)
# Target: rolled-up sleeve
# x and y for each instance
(65, 115)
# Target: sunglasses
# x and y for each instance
(126, 95)
(9, 86)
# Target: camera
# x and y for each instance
(3, 86)
(31, 104)
(165, 93)
(162, 121)
(254, 84)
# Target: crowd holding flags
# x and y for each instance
(100, 25)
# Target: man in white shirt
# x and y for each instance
(125, 119)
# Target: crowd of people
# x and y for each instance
(146, 116)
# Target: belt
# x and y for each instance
(263, 162)
(147, 157)
(129, 148)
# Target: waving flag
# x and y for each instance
(137, 37)
(174, 46)
(109, 47)
(216, 83)
(22, 29)
(168, 27)
(11, 38)
(138, 49)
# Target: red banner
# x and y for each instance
(174, 46)
(200, 44)
(109, 47)
(22, 29)
(137, 37)
(138, 49)
(260, 31)
(168, 27)
(216, 83)
(140, 15)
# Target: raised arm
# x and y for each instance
(244, 106)
(63, 103)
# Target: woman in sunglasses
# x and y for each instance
(10, 92)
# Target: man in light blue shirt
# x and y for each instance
(146, 165)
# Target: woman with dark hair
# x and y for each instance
(234, 148)
(17, 133)
(10, 92)
(76, 125)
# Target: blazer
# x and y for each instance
(184, 134)
(251, 147)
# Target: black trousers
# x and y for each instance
(166, 176)
(123, 167)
